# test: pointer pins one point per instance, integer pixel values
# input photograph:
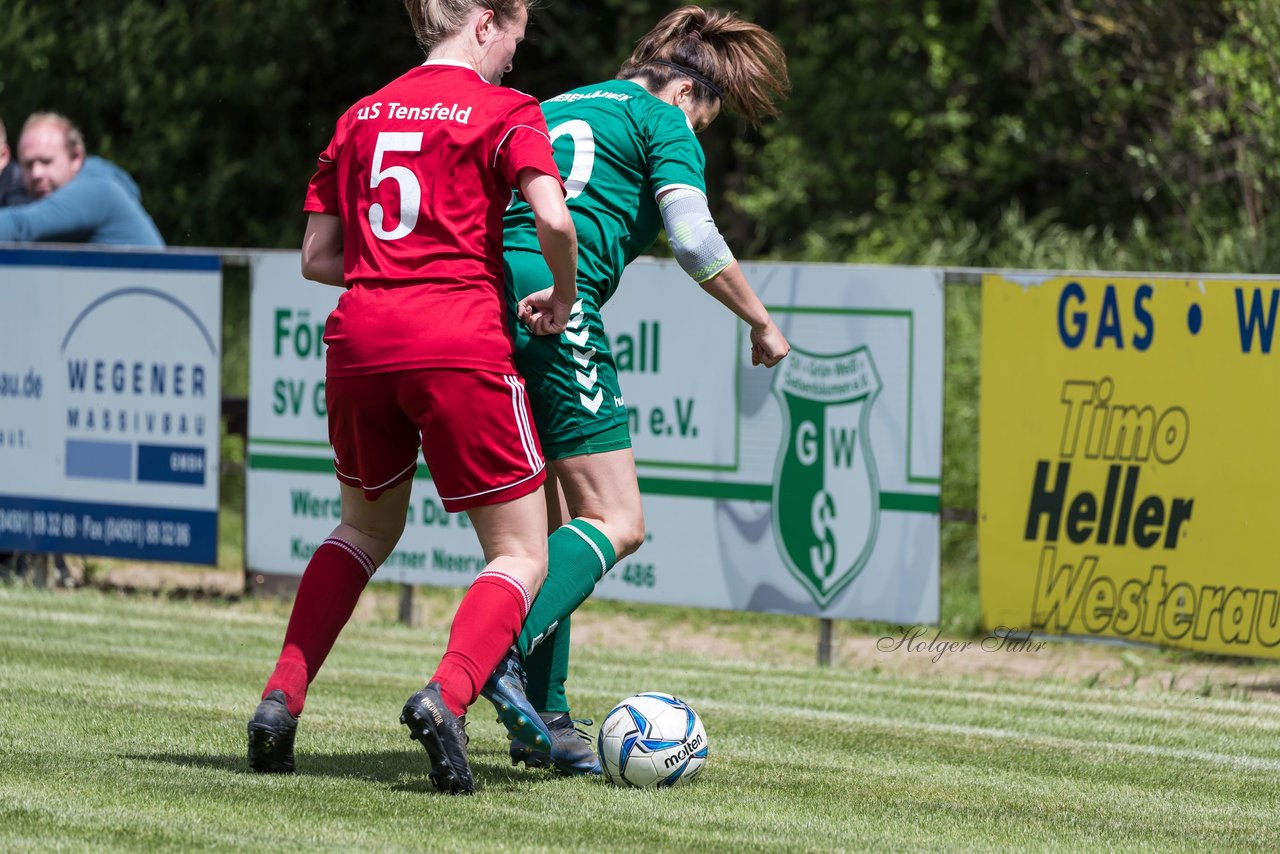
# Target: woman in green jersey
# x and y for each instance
(631, 164)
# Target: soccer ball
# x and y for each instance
(652, 741)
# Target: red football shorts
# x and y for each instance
(473, 427)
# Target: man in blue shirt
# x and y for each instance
(77, 199)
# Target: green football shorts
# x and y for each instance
(571, 378)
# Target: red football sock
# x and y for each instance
(330, 588)
(488, 620)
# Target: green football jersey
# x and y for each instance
(616, 146)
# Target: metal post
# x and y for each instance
(824, 642)
(408, 614)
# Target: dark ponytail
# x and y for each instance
(725, 57)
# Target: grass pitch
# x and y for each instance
(122, 725)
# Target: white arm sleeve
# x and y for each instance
(698, 245)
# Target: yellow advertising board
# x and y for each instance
(1130, 459)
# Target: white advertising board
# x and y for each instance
(812, 488)
(110, 399)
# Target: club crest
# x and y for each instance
(826, 492)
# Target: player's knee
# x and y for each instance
(629, 534)
(537, 575)
(384, 533)
(391, 531)
(531, 570)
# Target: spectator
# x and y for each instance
(73, 199)
(11, 191)
(76, 199)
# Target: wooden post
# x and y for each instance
(824, 642)
(43, 573)
(408, 614)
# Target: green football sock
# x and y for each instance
(578, 555)
(546, 670)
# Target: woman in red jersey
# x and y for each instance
(406, 211)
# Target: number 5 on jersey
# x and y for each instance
(406, 181)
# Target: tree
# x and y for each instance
(913, 125)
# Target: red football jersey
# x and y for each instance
(420, 173)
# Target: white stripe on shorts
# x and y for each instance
(526, 430)
(528, 426)
(522, 423)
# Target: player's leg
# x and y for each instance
(601, 487)
(327, 595)
(483, 630)
(580, 415)
(485, 460)
(570, 752)
(603, 497)
(578, 409)
(490, 615)
(547, 665)
(602, 494)
(376, 452)
(332, 583)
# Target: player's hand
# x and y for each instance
(768, 345)
(544, 313)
